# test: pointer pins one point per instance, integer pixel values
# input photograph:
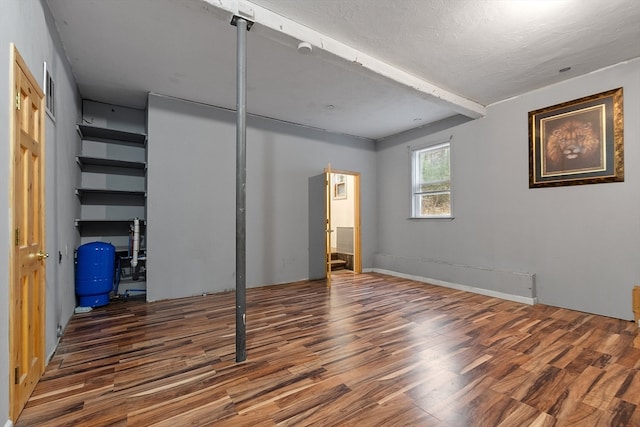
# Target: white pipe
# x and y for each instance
(136, 242)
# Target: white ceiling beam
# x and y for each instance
(280, 24)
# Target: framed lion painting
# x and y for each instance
(577, 142)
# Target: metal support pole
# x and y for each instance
(241, 177)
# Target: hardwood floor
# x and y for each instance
(373, 350)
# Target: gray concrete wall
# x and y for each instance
(28, 24)
(191, 197)
(574, 247)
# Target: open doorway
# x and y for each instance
(345, 222)
(324, 238)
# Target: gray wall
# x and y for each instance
(27, 23)
(580, 242)
(191, 197)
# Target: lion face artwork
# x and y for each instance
(573, 146)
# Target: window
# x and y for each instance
(431, 181)
(50, 94)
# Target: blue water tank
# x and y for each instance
(94, 273)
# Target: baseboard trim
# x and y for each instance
(53, 352)
(457, 286)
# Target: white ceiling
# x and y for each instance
(377, 67)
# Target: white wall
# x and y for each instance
(28, 24)
(191, 197)
(581, 242)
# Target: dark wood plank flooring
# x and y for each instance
(373, 350)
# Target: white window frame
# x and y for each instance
(415, 177)
(48, 87)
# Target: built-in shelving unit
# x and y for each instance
(112, 193)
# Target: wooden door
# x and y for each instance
(357, 243)
(320, 227)
(317, 227)
(26, 317)
(327, 216)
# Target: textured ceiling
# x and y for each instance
(484, 50)
(377, 67)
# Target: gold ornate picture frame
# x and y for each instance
(577, 142)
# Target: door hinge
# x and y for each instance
(18, 102)
(17, 375)
(17, 236)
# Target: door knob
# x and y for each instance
(42, 255)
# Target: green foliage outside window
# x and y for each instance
(432, 186)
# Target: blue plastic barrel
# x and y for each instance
(94, 273)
